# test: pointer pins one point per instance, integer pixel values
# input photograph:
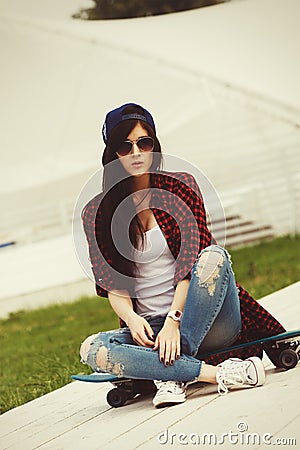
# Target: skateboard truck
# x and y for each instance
(127, 389)
(290, 351)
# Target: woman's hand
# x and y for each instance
(140, 330)
(168, 342)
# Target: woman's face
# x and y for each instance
(137, 162)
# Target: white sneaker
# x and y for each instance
(236, 372)
(169, 393)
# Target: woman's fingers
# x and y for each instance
(156, 343)
(178, 349)
(173, 353)
(141, 331)
(168, 347)
(142, 339)
(146, 334)
(168, 351)
(162, 352)
(149, 330)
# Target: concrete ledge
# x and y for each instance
(66, 293)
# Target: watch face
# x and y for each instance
(175, 315)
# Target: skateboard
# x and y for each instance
(124, 388)
(287, 344)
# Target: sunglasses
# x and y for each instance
(145, 144)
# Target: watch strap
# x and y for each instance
(175, 314)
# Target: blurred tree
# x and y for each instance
(121, 9)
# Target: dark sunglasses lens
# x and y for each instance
(146, 144)
(124, 148)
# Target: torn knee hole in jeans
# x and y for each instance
(85, 347)
(208, 270)
(105, 364)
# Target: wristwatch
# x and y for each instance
(175, 315)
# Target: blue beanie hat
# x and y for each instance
(116, 116)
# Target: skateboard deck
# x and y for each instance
(97, 377)
(287, 339)
(288, 345)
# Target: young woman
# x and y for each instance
(166, 278)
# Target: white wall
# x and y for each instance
(222, 83)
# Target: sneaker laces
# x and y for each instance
(173, 387)
(231, 374)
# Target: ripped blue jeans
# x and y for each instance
(211, 320)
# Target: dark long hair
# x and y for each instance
(119, 237)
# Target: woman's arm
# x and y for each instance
(180, 295)
(168, 339)
(140, 329)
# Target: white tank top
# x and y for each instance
(154, 282)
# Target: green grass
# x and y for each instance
(39, 349)
(269, 266)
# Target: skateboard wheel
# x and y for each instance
(116, 398)
(288, 359)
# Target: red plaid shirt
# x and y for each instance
(179, 210)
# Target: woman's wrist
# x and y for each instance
(175, 314)
(129, 316)
(172, 322)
